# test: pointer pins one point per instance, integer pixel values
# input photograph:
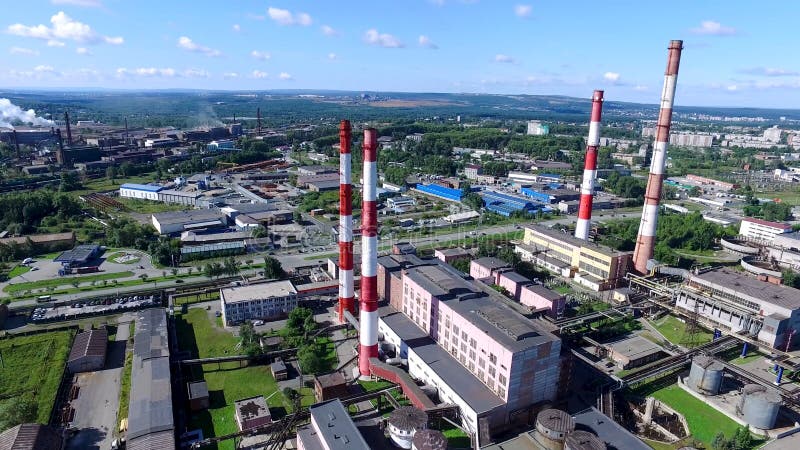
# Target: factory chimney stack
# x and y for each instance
(368, 318)
(346, 291)
(590, 169)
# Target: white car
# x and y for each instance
(258, 322)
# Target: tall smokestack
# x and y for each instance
(16, 142)
(590, 169)
(369, 255)
(258, 120)
(69, 131)
(645, 241)
(346, 293)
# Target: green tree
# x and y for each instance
(273, 269)
(17, 410)
(742, 440)
(296, 321)
(791, 279)
(309, 359)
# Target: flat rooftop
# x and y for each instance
(610, 432)
(515, 277)
(456, 251)
(547, 294)
(441, 283)
(142, 187)
(197, 215)
(744, 286)
(635, 347)
(252, 408)
(570, 239)
(335, 428)
(257, 291)
(80, 253)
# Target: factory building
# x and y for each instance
(453, 195)
(762, 230)
(505, 204)
(331, 428)
(179, 221)
(739, 303)
(140, 191)
(592, 265)
(547, 195)
(488, 269)
(540, 298)
(477, 351)
(257, 301)
(390, 276)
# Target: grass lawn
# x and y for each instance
(704, 420)
(32, 366)
(189, 299)
(113, 258)
(104, 184)
(18, 270)
(789, 196)
(63, 281)
(674, 330)
(659, 445)
(226, 382)
(455, 437)
(125, 387)
(150, 207)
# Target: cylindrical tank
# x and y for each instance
(583, 440)
(429, 440)
(760, 408)
(404, 422)
(747, 390)
(552, 426)
(705, 375)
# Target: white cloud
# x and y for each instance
(236, 27)
(328, 30)
(83, 51)
(732, 88)
(23, 51)
(230, 75)
(261, 56)
(84, 3)
(640, 87)
(286, 17)
(196, 73)
(147, 72)
(43, 68)
(712, 28)
(373, 37)
(63, 28)
(523, 10)
(55, 43)
(611, 76)
(188, 44)
(501, 58)
(333, 56)
(258, 74)
(771, 72)
(285, 76)
(425, 41)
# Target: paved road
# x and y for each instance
(98, 401)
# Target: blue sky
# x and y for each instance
(737, 53)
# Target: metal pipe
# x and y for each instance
(584, 223)
(346, 289)
(368, 335)
(646, 238)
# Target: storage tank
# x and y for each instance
(760, 407)
(583, 440)
(429, 440)
(552, 426)
(705, 375)
(404, 422)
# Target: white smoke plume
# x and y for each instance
(10, 113)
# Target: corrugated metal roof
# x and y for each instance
(89, 343)
(30, 436)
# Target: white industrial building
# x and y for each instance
(739, 303)
(257, 301)
(762, 230)
(537, 128)
(140, 191)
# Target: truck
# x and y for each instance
(90, 269)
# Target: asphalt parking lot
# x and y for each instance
(97, 307)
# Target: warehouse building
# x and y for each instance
(453, 195)
(88, 351)
(257, 301)
(140, 191)
(179, 221)
(505, 204)
(739, 303)
(592, 265)
(150, 420)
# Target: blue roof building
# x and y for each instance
(454, 195)
(142, 187)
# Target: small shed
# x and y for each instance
(198, 396)
(278, 369)
(330, 386)
(88, 351)
(252, 412)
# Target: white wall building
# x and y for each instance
(257, 301)
(536, 128)
(140, 191)
(761, 229)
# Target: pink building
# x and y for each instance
(517, 361)
(513, 283)
(538, 297)
(488, 269)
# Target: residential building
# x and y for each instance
(773, 134)
(691, 140)
(540, 298)
(536, 128)
(179, 221)
(762, 230)
(252, 413)
(471, 171)
(88, 351)
(740, 303)
(257, 301)
(140, 191)
(488, 269)
(331, 428)
(592, 265)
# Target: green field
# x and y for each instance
(125, 387)
(31, 367)
(63, 281)
(674, 330)
(791, 197)
(105, 185)
(150, 207)
(226, 382)
(189, 299)
(18, 270)
(704, 420)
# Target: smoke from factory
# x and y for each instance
(10, 113)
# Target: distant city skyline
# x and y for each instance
(736, 54)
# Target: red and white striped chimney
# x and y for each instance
(590, 169)
(346, 292)
(646, 239)
(369, 255)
